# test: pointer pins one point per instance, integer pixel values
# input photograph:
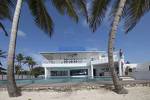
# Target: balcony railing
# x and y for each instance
(74, 61)
(66, 61)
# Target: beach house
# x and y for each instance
(81, 64)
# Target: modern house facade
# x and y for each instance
(81, 64)
(139, 71)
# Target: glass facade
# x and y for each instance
(76, 72)
(59, 73)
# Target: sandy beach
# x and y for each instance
(135, 93)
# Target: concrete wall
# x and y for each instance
(140, 71)
(16, 77)
(143, 66)
(141, 75)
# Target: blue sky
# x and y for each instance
(31, 40)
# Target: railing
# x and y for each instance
(73, 61)
(66, 61)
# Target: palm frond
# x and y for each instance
(99, 8)
(41, 16)
(5, 9)
(19, 57)
(114, 8)
(2, 54)
(134, 11)
(81, 5)
(3, 28)
(66, 7)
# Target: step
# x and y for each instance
(126, 78)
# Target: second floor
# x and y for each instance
(74, 57)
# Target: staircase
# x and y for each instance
(126, 78)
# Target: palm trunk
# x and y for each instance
(21, 74)
(13, 91)
(118, 87)
(18, 74)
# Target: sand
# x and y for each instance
(135, 93)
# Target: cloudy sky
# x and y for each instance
(67, 34)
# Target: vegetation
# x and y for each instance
(23, 61)
(37, 71)
(5, 13)
(31, 63)
(2, 70)
(19, 63)
(17, 70)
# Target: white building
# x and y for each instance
(80, 64)
(139, 71)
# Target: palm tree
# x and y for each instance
(44, 21)
(31, 63)
(118, 87)
(17, 70)
(19, 60)
(131, 11)
(5, 13)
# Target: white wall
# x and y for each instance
(141, 71)
(143, 66)
(141, 75)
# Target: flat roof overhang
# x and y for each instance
(60, 52)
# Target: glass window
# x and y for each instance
(59, 73)
(130, 69)
(76, 72)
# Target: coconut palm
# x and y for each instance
(131, 11)
(17, 70)
(119, 88)
(19, 60)
(30, 62)
(43, 21)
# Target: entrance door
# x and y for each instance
(94, 72)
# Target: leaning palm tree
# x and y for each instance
(131, 11)
(117, 16)
(43, 21)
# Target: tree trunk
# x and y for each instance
(21, 75)
(118, 87)
(13, 91)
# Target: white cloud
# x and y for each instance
(21, 33)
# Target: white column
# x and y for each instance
(45, 72)
(91, 71)
(120, 68)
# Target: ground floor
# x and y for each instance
(97, 70)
